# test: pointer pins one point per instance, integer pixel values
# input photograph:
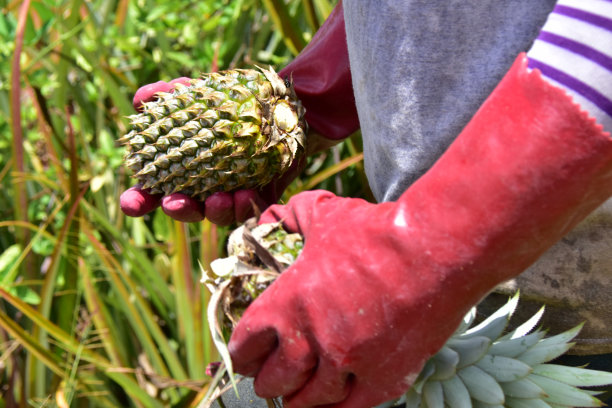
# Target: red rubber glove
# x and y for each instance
(322, 81)
(379, 288)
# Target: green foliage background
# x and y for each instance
(98, 309)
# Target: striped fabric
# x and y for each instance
(574, 52)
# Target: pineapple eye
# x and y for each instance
(284, 117)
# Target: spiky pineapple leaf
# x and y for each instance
(456, 394)
(470, 349)
(576, 376)
(494, 325)
(516, 346)
(504, 369)
(482, 386)
(526, 403)
(523, 388)
(433, 395)
(527, 326)
(564, 394)
(550, 347)
(445, 364)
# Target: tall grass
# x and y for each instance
(98, 309)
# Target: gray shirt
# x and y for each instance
(422, 68)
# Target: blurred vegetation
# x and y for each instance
(98, 309)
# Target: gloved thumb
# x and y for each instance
(299, 212)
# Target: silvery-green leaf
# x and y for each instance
(428, 370)
(576, 376)
(526, 403)
(433, 394)
(537, 355)
(564, 394)
(504, 369)
(470, 350)
(445, 362)
(493, 326)
(467, 321)
(480, 404)
(413, 399)
(482, 386)
(528, 326)
(523, 388)
(515, 347)
(593, 392)
(549, 348)
(456, 394)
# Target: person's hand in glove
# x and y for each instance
(379, 288)
(322, 80)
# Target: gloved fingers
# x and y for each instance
(288, 367)
(247, 203)
(272, 192)
(280, 213)
(249, 348)
(362, 396)
(183, 208)
(148, 93)
(298, 213)
(264, 337)
(135, 202)
(224, 208)
(328, 385)
(219, 208)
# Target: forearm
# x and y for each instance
(526, 169)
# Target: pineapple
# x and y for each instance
(257, 255)
(225, 131)
(481, 365)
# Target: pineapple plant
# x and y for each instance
(224, 131)
(481, 365)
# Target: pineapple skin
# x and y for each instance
(234, 129)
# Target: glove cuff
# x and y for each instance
(526, 169)
(322, 80)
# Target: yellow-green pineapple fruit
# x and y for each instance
(228, 130)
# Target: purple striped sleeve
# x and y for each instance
(578, 48)
(590, 18)
(568, 81)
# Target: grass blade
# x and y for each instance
(330, 172)
(21, 198)
(279, 12)
(73, 346)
